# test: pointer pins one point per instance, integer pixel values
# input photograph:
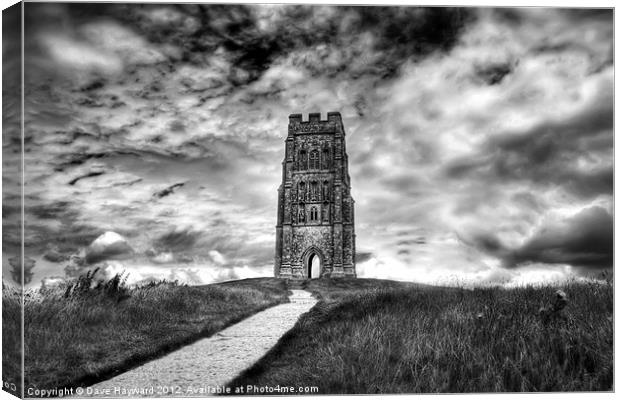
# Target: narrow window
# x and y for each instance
(325, 159)
(314, 214)
(302, 213)
(314, 159)
(303, 160)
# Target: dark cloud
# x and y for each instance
(494, 73)
(19, 269)
(177, 240)
(96, 84)
(414, 30)
(74, 235)
(128, 183)
(168, 191)
(585, 240)
(363, 256)
(411, 242)
(49, 223)
(529, 201)
(11, 131)
(11, 54)
(55, 254)
(545, 140)
(399, 33)
(88, 175)
(546, 154)
(114, 251)
(488, 243)
(70, 160)
(177, 126)
(603, 15)
(9, 209)
(57, 210)
(509, 15)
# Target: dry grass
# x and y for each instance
(424, 340)
(77, 337)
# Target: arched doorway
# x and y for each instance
(313, 262)
(314, 266)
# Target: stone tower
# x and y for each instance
(315, 207)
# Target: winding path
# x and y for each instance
(204, 367)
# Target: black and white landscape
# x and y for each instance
(480, 139)
(479, 144)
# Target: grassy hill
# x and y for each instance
(371, 336)
(364, 336)
(84, 333)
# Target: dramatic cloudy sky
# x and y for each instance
(480, 140)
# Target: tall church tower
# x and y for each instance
(315, 234)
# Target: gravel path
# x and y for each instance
(204, 367)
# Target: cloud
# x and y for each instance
(52, 281)
(167, 191)
(19, 269)
(494, 156)
(88, 175)
(177, 240)
(75, 55)
(547, 152)
(54, 255)
(138, 274)
(163, 258)
(109, 245)
(362, 256)
(112, 38)
(584, 240)
(217, 257)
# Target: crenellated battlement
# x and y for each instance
(332, 116)
(314, 123)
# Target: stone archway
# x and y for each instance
(314, 266)
(313, 262)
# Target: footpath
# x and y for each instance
(203, 368)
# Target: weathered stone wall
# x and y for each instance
(317, 238)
